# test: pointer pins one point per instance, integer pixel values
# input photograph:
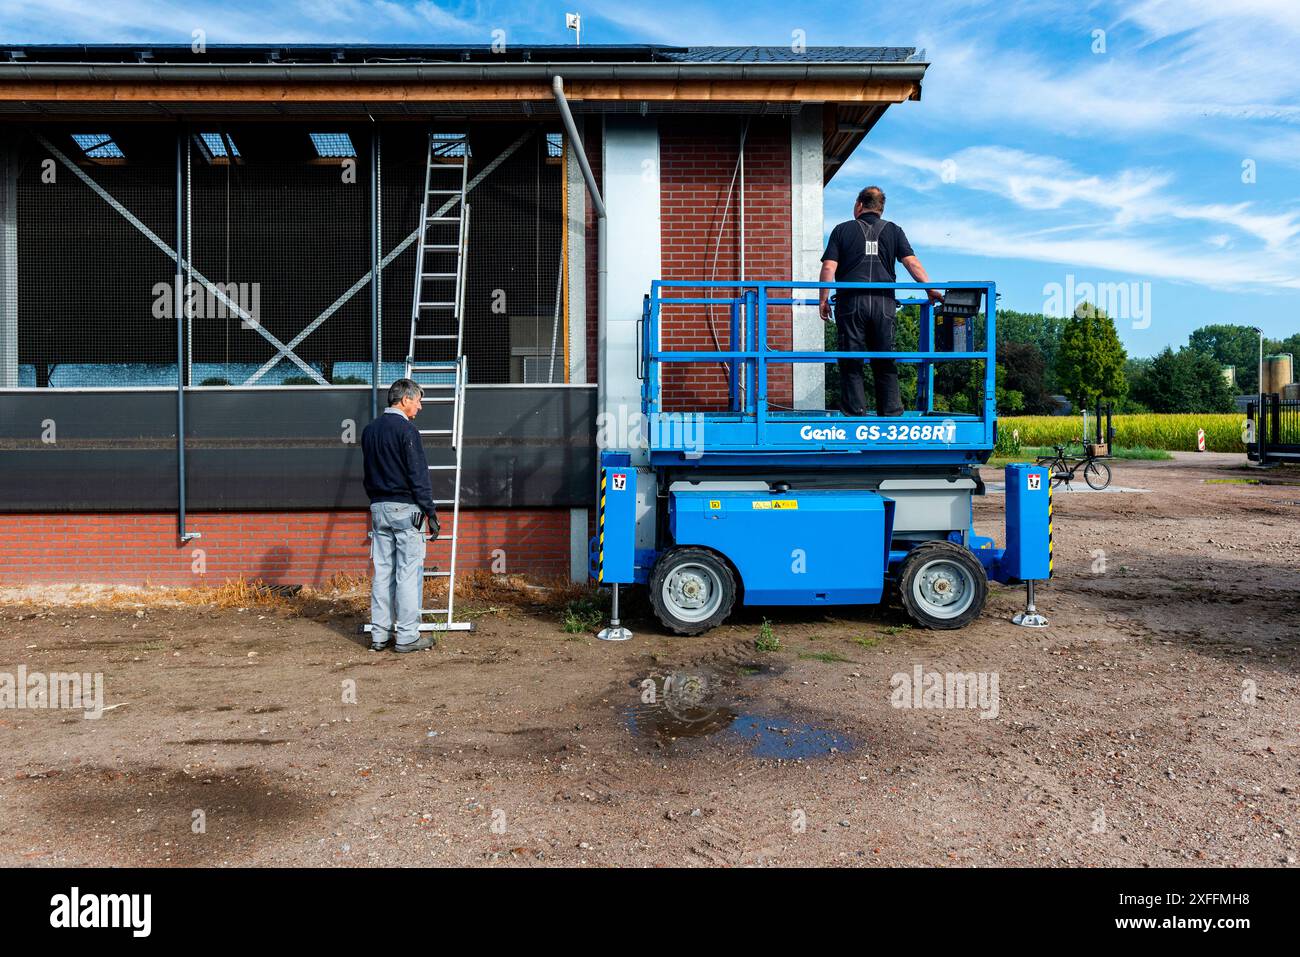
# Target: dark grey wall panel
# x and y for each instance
(279, 449)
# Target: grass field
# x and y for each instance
(1029, 453)
(1172, 433)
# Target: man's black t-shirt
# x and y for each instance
(848, 248)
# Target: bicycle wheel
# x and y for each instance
(1096, 474)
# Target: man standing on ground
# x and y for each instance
(402, 519)
(864, 249)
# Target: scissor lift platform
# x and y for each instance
(758, 504)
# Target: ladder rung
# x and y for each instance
(439, 275)
(444, 192)
(442, 245)
(429, 574)
(436, 431)
(435, 367)
(441, 468)
(434, 611)
(444, 335)
(442, 219)
(438, 305)
(444, 501)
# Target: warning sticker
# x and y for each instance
(1035, 481)
(715, 503)
(619, 481)
(778, 503)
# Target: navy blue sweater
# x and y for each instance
(395, 467)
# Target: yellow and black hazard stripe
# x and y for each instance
(600, 548)
(1049, 529)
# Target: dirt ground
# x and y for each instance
(1154, 722)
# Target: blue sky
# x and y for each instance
(1043, 152)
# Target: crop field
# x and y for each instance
(1173, 433)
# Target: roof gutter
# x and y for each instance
(441, 72)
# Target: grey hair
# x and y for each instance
(404, 389)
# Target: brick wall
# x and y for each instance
(277, 547)
(697, 161)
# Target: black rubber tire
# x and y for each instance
(921, 556)
(1097, 475)
(1054, 476)
(674, 559)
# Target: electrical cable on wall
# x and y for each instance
(717, 242)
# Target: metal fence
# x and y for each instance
(1277, 430)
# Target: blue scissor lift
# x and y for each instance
(766, 505)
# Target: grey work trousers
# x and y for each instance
(397, 548)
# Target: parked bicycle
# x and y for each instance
(1063, 466)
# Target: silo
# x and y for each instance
(1278, 372)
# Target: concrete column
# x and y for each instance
(631, 174)
(8, 267)
(806, 247)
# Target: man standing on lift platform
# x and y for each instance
(864, 249)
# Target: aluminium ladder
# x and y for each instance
(435, 353)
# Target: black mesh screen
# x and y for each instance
(277, 231)
(285, 233)
(90, 282)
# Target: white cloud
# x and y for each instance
(1131, 255)
(1040, 183)
(67, 21)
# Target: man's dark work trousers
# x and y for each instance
(866, 324)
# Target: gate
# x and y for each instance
(1277, 430)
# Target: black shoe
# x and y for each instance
(378, 645)
(420, 644)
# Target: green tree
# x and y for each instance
(1026, 372)
(1231, 345)
(1135, 370)
(1188, 380)
(1290, 344)
(1036, 328)
(1090, 357)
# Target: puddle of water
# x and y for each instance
(683, 707)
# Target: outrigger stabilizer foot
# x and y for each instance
(615, 631)
(1029, 618)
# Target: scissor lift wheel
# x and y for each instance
(942, 585)
(691, 590)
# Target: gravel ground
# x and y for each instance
(1154, 722)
